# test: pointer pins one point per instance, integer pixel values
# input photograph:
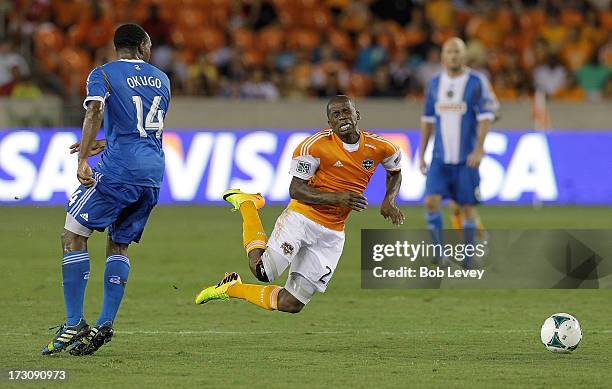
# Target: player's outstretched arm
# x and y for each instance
(388, 209)
(301, 191)
(91, 125)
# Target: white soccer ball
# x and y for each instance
(561, 333)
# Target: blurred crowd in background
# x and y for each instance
(272, 49)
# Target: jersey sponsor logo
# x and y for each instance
(367, 164)
(85, 216)
(136, 81)
(303, 167)
(287, 248)
(338, 164)
(370, 146)
(451, 108)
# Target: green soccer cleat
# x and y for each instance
(96, 338)
(219, 291)
(237, 197)
(65, 336)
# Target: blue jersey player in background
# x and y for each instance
(132, 97)
(458, 111)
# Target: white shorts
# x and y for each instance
(313, 251)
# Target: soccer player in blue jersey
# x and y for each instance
(132, 97)
(459, 111)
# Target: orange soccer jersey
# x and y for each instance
(330, 165)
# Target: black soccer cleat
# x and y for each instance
(95, 339)
(65, 336)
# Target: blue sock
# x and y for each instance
(75, 273)
(115, 278)
(434, 225)
(469, 235)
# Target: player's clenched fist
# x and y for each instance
(354, 201)
(392, 213)
(85, 174)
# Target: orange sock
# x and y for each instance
(253, 234)
(265, 296)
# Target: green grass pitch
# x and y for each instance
(345, 337)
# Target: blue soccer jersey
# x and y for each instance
(455, 105)
(136, 96)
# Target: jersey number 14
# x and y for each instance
(149, 124)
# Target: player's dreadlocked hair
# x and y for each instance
(129, 36)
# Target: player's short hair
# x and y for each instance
(129, 36)
(339, 98)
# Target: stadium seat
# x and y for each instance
(359, 85)
(243, 38)
(270, 38)
(341, 42)
(303, 39)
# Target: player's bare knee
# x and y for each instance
(256, 265)
(73, 242)
(431, 203)
(288, 303)
(114, 248)
(467, 212)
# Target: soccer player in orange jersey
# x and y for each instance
(330, 170)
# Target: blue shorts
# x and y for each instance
(123, 208)
(457, 182)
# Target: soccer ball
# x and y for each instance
(561, 333)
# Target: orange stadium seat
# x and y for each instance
(189, 17)
(178, 38)
(66, 12)
(303, 39)
(537, 18)
(49, 38)
(288, 18)
(270, 38)
(243, 38)
(318, 18)
(216, 12)
(412, 37)
(283, 4)
(253, 57)
(606, 20)
(341, 41)
(75, 66)
(208, 38)
(359, 85)
(571, 17)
